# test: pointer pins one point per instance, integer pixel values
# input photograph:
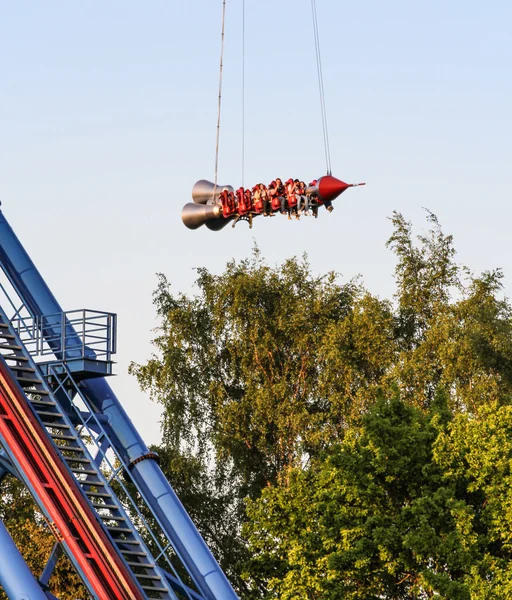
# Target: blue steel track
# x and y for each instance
(208, 582)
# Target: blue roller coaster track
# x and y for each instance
(66, 436)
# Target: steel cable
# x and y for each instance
(321, 88)
(243, 92)
(220, 98)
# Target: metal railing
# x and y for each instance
(80, 333)
(116, 471)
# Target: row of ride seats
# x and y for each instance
(264, 199)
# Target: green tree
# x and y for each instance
(453, 330)
(258, 373)
(477, 454)
(266, 372)
(372, 519)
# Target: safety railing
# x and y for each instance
(116, 471)
(12, 302)
(80, 333)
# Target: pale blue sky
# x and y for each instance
(107, 118)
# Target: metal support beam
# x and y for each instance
(6, 466)
(50, 565)
(16, 579)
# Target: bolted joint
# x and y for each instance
(149, 456)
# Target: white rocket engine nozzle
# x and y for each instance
(205, 191)
(195, 215)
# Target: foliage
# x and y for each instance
(372, 519)
(332, 444)
(269, 379)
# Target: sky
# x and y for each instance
(108, 117)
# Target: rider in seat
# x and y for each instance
(227, 200)
(276, 189)
(257, 200)
(314, 200)
(291, 198)
(265, 198)
(302, 199)
(244, 205)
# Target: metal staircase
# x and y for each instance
(73, 450)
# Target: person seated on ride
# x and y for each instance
(241, 204)
(248, 200)
(227, 200)
(291, 198)
(314, 200)
(232, 201)
(276, 189)
(302, 200)
(257, 200)
(265, 198)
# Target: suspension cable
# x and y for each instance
(243, 92)
(321, 88)
(220, 97)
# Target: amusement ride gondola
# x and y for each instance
(216, 205)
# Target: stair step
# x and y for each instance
(82, 461)
(22, 368)
(36, 403)
(58, 436)
(28, 381)
(148, 577)
(129, 543)
(84, 472)
(37, 392)
(109, 518)
(98, 494)
(148, 588)
(94, 482)
(10, 347)
(140, 565)
(7, 336)
(76, 449)
(16, 357)
(57, 425)
(115, 529)
(105, 506)
(134, 553)
(48, 413)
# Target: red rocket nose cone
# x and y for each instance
(330, 188)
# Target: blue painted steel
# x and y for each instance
(51, 564)
(3, 472)
(147, 475)
(93, 334)
(6, 467)
(16, 579)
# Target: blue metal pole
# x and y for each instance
(162, 499)
(16, 578)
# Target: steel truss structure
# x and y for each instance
(66, 436)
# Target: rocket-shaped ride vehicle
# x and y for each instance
(217, 205)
